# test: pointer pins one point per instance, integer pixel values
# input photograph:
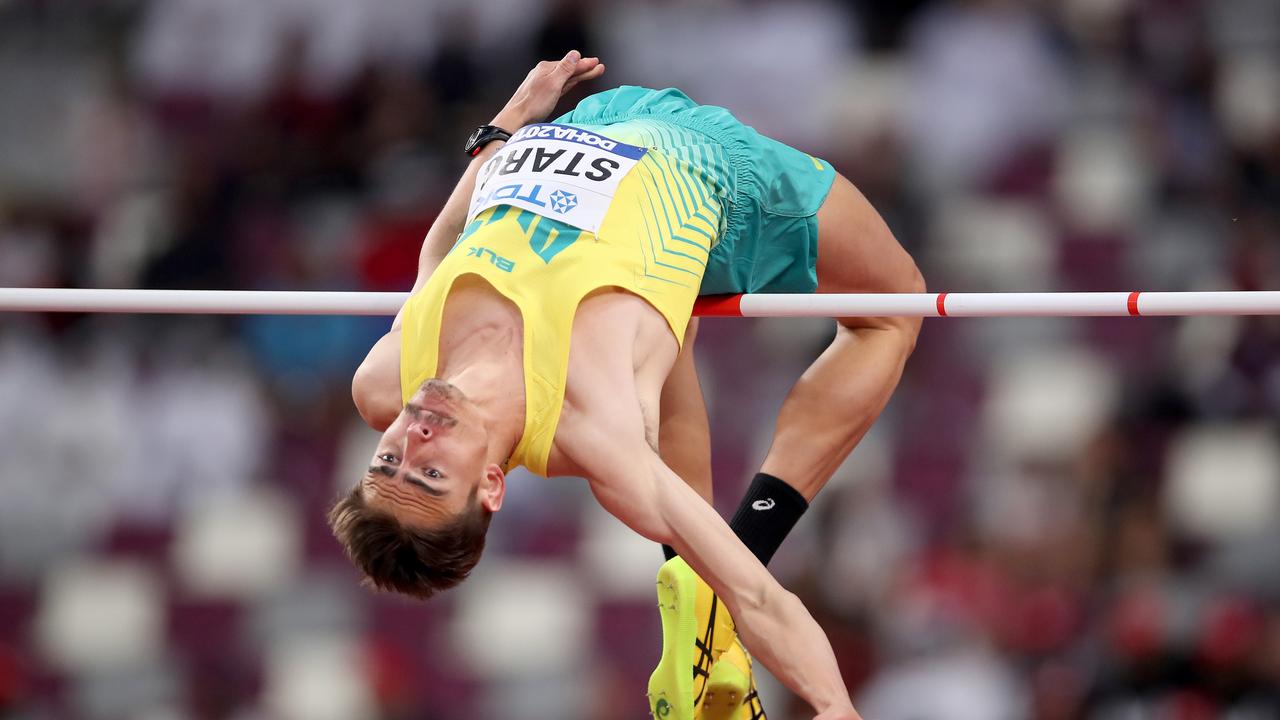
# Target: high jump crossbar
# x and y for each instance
(1031, 304)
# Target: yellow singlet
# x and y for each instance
(654, 241)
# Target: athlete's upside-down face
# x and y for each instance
(430, 463)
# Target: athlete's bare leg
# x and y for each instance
(684, 433)
(837, 399)
(832, 405)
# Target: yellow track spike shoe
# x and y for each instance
(731, 689)
(696, 630)
(726, 687)
(739, 659)
(730, 682)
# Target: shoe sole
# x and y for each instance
(671, 684)
(726, 691)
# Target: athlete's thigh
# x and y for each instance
(857, 252)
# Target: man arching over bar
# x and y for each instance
(550, 327)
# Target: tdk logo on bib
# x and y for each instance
(562, 202)
(557, 171)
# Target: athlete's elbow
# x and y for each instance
(914, 280)
(646, 522)
(760, 599)
(649, 526)
(757, 598)
(910, 280)
(634, 507)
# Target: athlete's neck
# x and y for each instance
(487, 365)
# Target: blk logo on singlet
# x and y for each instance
(495, 259)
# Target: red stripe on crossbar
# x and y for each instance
(718, 306)
(942, 304)
(1133, 303)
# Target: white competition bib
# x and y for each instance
(556, 171)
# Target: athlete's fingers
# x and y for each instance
(586, 65)
(583, 68)
(549, 80)
(591, 74)
(569, 62)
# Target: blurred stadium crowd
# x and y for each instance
(1054, 519)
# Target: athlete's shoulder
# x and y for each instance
(375, 387)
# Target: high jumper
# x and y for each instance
(550, 327)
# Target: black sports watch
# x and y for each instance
(484, 135)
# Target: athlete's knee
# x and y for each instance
(900, 332)
(903, 330)
(913, 280)
(907, 278)
(914, 283)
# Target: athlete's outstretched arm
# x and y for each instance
(633, 484)
(532, 102)
(375, 387)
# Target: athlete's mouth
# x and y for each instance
(432, 418)
(437, 389)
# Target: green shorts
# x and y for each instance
(770, 238)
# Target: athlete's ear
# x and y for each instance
(493, 488)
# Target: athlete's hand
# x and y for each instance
(543, 87)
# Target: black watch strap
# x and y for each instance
(484, 135)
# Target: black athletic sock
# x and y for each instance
(766, 515)
(669, 552)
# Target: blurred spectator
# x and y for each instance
(985, 86)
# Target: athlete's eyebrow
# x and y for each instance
(431, 490)
(389, 471)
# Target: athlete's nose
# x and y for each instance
(419, 431)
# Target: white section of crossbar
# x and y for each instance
(1014, 304)
(266, 302)
(201, 302)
